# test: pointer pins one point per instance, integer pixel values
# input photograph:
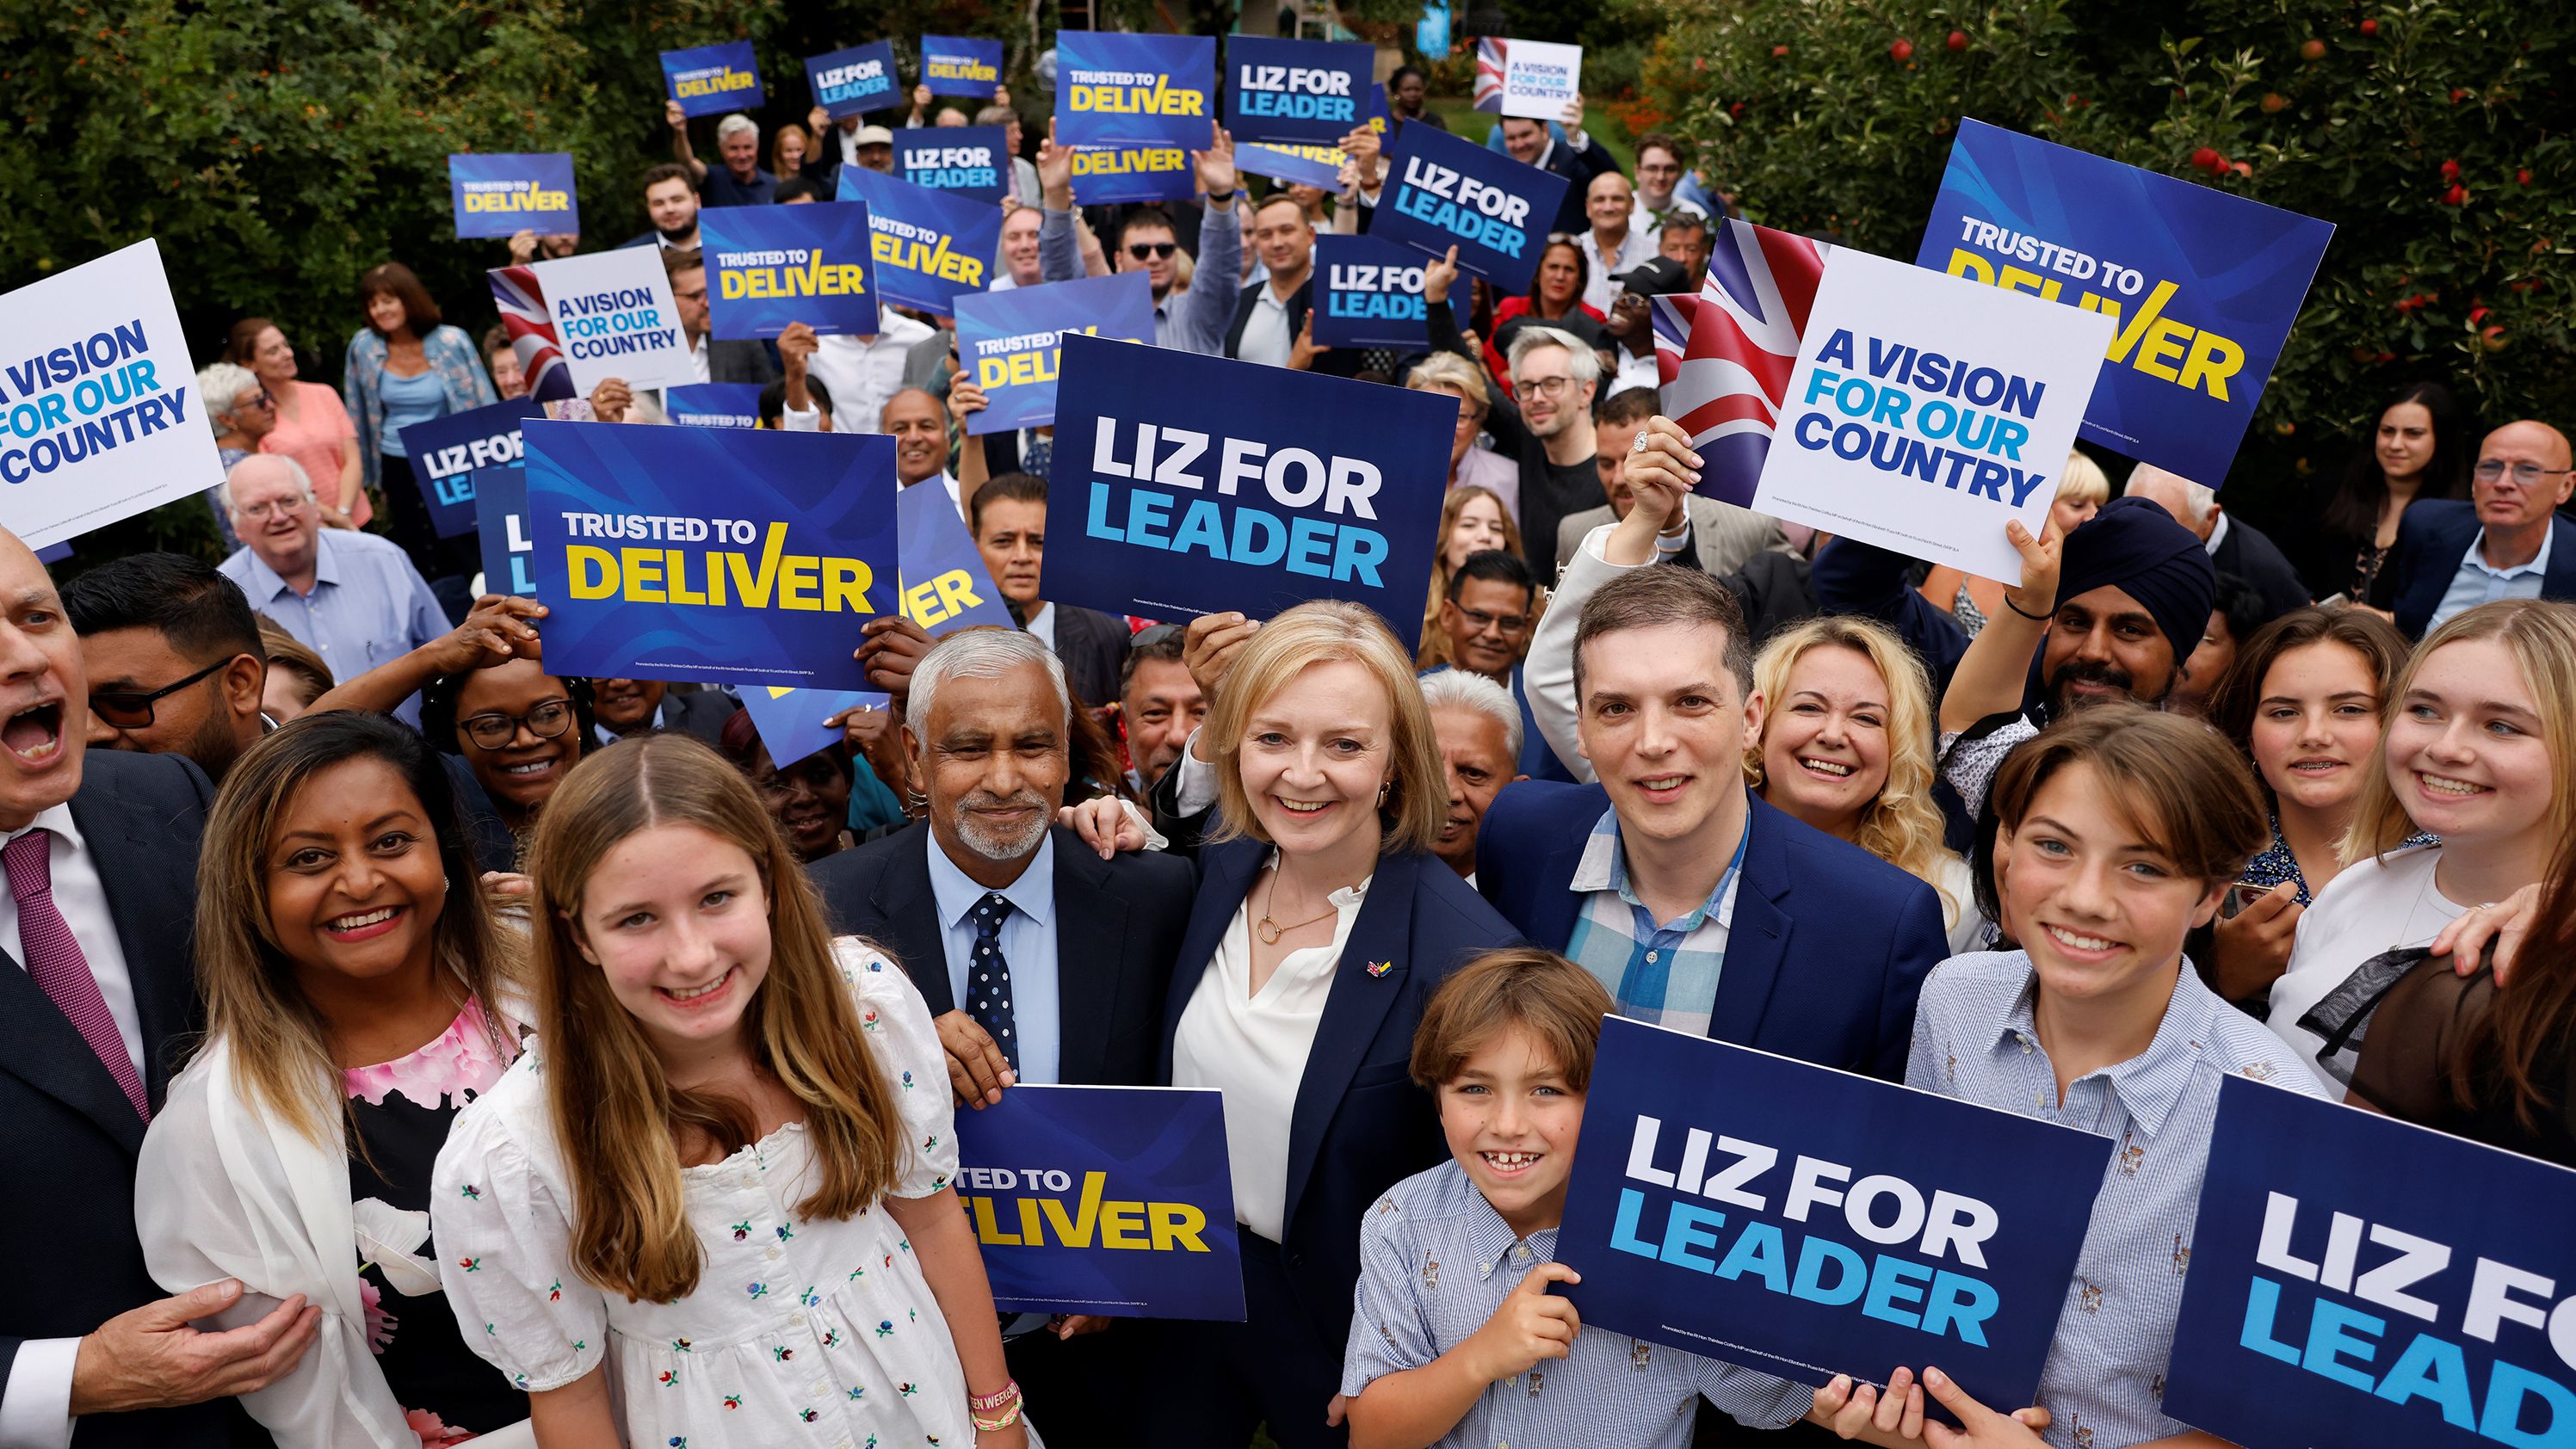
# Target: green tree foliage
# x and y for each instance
(2433, 134)
(278, 150)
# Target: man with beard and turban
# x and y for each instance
(1041, 961)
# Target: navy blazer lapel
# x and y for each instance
(2560, 581)
(1558, 906)
(1226, 872)
(1090, 927)
(1353, 1011)
(154, 909)
(1757, 935)
(905, 902)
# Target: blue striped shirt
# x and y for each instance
(1436, 1263)
(1975, 1038)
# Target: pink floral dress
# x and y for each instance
(401, 1111)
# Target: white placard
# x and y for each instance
(613, 315)
(1540, 77)
(1927, 411)
(99, 414)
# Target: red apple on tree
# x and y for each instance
(2274, 103)
(1902, 50)
(2370, 27)
(1958, 40)
(2457, 196)
(2312, 50)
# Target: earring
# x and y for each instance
(1383, 786)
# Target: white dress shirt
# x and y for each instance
(1042, 625)
(1602, 289)
(1252, 1046)
(862, 372)
(698, 358)
(36, 1407)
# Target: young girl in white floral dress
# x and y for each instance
(710, 1206)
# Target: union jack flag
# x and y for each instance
(1489, 74)
(532, 332)
(1724, 357)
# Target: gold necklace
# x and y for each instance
(1270, 931)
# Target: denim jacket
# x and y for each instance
(451, 357)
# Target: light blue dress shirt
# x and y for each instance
(1028, 946)
(2478, 583)
(368, 607)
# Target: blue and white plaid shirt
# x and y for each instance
(1975, 1039)
(1436, 1263)
(1663, 974)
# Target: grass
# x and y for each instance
(1465, 120)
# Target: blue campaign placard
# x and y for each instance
(1107, 1200)
(714, 404)
(1299, 164)
(1103, 175)
(2360, 1280)
(1008, 340)
(748, 558)
(1188, 485)
(1292, 91)
(1808, 1222)
(446, 453)
(969, 161)
(503, 195)
(772, 266)
(955, 65)
(1368, 293)
(791, 721)
(1134, 90)
(1449, 192)
(931, 247)
(945, 584)
(709, 80)
(861, 78)
(2203, 285)
(501, 526)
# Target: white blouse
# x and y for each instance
(1253, 1047)
(800, 1332)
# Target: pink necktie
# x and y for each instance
(54, 958)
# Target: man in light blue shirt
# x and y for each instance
(351, 597)
(2453, 556)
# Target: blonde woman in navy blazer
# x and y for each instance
(1321, 928)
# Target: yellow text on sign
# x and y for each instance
(2178, 352)
(934, 601)
(1158, 1227)
(806, 582)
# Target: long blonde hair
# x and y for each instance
(281, 1051)
(1902, 826)
(1435, 642)
(615, 1112)
(2541, 637)
(1318, 632)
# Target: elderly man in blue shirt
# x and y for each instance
(2506, 542)
(351, 597)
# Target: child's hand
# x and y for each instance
(1862, 1412)
(1984, 1428)
(1531, 1325)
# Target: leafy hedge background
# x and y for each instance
(279, 150)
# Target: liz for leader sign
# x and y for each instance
(1447, 192)
(1187, 485)
(1810, 1222)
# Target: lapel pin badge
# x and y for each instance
(1380, 968)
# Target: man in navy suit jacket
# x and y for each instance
(87, 1340)
(2507, 543)
(1700, 907)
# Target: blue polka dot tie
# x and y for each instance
(1038, 459)
(988, 977)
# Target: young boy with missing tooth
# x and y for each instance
(1456, 1340)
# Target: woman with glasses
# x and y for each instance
(486, 698)
(2505, 541)
(238, 405)
(312, 426)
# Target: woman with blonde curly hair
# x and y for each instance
(1845, 745)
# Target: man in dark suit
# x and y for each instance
(2235, 547)
(626, 707)
(100, 860)
(2507, 542)
(1270, 316)
(1701, 907)
(1578, 158)
(1040, 961)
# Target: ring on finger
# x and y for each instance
(1639, 445)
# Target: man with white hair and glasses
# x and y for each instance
(1040, 961)
(351, 597)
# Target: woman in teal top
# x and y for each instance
(405, 367)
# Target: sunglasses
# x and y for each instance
(128, 709)
(1142, 250)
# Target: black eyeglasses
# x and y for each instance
(495, 731)
(1142, 250)
(131, 709)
